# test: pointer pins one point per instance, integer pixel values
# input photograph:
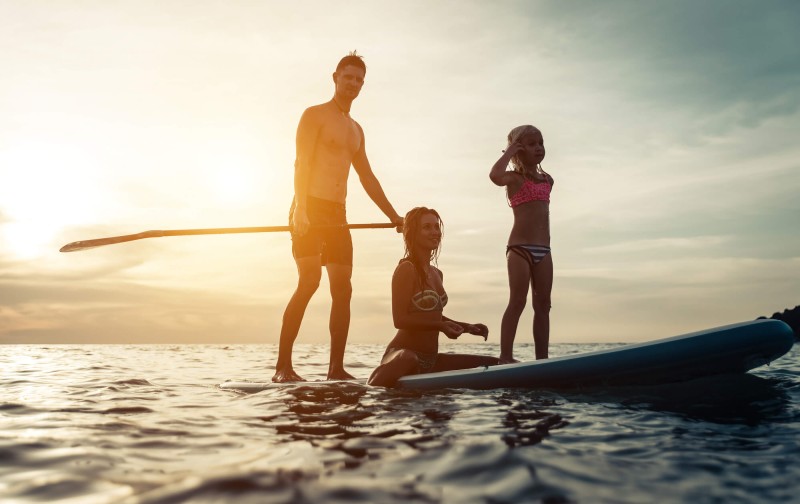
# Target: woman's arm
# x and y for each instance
(370, 183)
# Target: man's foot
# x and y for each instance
(507, 360)
(340, 374)
(286, 376)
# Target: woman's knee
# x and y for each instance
(403, 362)
(406, 359)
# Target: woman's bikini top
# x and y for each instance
(532, 191)
(428, 300)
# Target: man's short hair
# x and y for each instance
(352, 59)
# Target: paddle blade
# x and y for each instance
(99, 242)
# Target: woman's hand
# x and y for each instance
(451, 329)
(477, 330)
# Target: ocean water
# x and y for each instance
(147, 423)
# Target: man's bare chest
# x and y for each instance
(341, 137)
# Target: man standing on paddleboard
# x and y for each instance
(329, 141)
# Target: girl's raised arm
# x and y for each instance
(498, 174)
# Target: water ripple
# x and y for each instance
(156, 429)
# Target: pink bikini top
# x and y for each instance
(532, 191)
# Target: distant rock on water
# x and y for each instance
(791, 317)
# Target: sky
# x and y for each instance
(671, 130)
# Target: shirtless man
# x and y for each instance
(328, 142)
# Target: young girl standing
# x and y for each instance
(528, 251)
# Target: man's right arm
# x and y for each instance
(307, 132)
(371, 185)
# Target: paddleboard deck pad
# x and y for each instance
(735, 348)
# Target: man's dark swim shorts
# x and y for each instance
(334, 245)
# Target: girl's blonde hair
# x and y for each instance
(515, 136)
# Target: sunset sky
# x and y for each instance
(671, 130)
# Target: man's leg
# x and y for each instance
(309, 270)
(339, 276)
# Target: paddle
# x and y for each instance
(99, 242)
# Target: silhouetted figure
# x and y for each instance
(418, 300)
(329, 141)
(529, 261)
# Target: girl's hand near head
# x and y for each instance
(498, 173)
(513, 149)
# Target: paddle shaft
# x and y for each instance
(99, 242)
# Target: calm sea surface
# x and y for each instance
(147, 423)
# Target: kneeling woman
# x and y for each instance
(418, 298)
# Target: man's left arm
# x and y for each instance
(371, 185)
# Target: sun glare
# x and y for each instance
(233, 174)
(230, 188)
(27, 240)
(44, 188)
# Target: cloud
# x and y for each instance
(709, 55)
(666, 245)
(42, 311)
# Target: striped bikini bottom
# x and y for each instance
(533, 254)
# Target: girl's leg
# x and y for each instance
(519, 276)
(542, 285)
(394, 366)
(450, 362)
